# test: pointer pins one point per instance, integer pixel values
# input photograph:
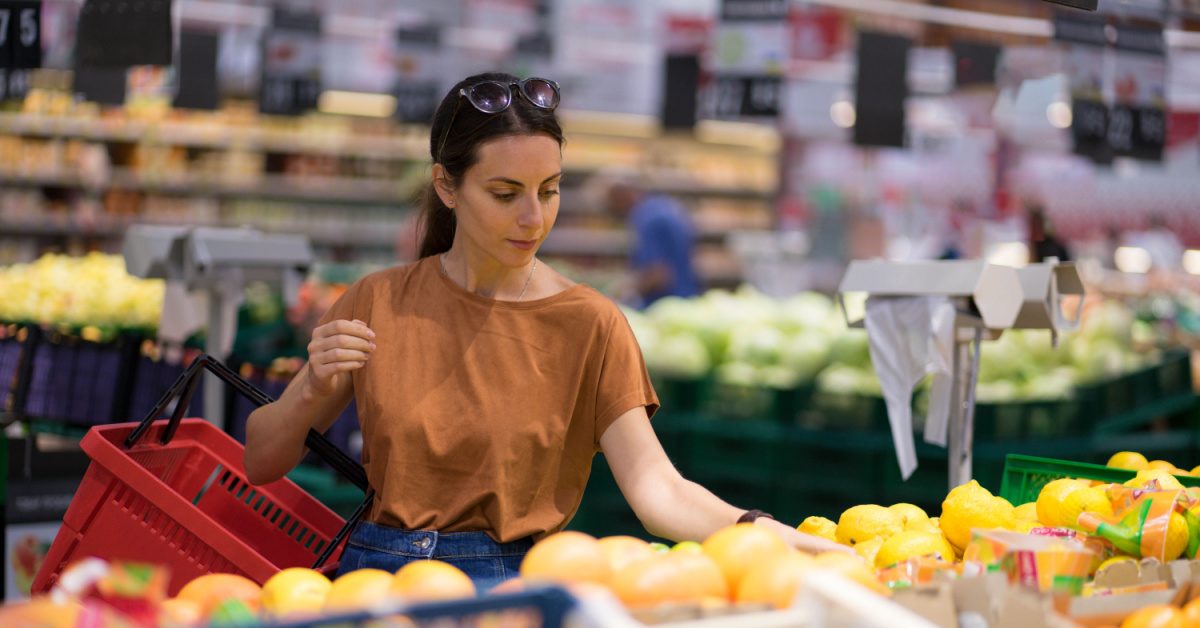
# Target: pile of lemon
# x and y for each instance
(884, 536)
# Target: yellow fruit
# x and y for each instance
(1177, 537)
(776, 581)
(1026, 512)
(969, 507)
(1025, 526)
(869, 549)
(1195, 470)
(1050, 500)
(1093, 500)
(913, 517)
(1156, 616)
(1161, 464)
(1166, 481)
(913, 544)
(567, 557)
(1131, 460)
(295, 590)
(739, 548)
(1114, 560)
(672, 577)
(623, 550)
(210, 590)
(358, 590)
(819, 526)
(852, 568)
(863, 523)
(431, 581)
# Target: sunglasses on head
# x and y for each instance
(492, 97)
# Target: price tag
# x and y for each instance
(25, 34)
(291, 71)
(748, 96)
(1090, 130)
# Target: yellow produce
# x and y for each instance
(1093, 500)
(1050, 500)
(913, 544)
(89, 290)
(870, 549)
(295, 590)
(1131, 460)
(1177, 537)
(737, 549)
(863, 523)
(819, 526)
(851, 568)
(1026, 512)
(1166, 481)
(357, 590)
(1161, 464)
(1195, 470)
(913, 517)
(971, 506)
(1025, 526)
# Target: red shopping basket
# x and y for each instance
(180, 498)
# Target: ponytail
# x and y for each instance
(436, 223)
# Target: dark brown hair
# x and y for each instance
(460, 151)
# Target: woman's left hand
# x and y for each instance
(802, 541)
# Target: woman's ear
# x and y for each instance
(443, 186)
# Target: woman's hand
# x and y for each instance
(337, 348)
(802, 541)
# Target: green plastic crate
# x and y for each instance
(734, 401)
(1024, 476)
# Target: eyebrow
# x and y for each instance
(518, 183)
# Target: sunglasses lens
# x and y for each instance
(490, 97)
(541, 93)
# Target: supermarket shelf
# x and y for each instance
(279, 187)
(372, 236)
(410, 147)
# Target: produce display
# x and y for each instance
(749, 339)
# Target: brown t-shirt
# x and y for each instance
(480, 414)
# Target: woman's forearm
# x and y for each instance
(275, 432)
(682, 510)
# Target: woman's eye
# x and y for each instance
(504, 197)
(549, 193)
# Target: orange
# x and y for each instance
(512, 585)
(210, 590)
(179, 612)
(674, 577)
(623, 550)
(776, 581)
(295, 590)
(358, 589)
(738, 548)
(567, 557)
(851, 568)
(431, 580)
(1191, 614)
(43, 613)
(1156, 616)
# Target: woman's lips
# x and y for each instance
(524, 245)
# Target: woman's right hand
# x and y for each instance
(337, 348)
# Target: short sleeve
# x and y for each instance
(624, 382)
(346, 307)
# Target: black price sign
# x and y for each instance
(283, 95)
(14, 83)
(1091, 130)
(20, 34)
(291, 78)
(748, 96)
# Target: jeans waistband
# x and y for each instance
(432, 543)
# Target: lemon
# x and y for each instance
(863, 523)
(1114, 560)
(1050, 500)
(1195, 470)
(1026, 512)
(913, 544)
(1177, 537)
(1131, 460)
(971, 506)
(819, 526)
(1166, 481)
(869, 549)
(913, 517)
(1025, 526)
(1093, 500)
(1161, 464)
(295, 590)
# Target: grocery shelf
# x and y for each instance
(280, 187)
(199, 135)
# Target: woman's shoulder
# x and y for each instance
(386, 278)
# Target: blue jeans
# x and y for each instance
(487, 562)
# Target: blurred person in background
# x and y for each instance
(1043, 244)
(662, 240)
(961, 232)
(1164, 247)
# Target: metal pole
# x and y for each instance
(959, 463)
(214, 391)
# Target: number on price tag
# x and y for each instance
(20, 34)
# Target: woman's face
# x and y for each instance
(507, 202)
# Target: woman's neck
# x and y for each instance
(481, 274)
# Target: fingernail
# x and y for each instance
(372, 346)
(371, 333)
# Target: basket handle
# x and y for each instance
(184, 388)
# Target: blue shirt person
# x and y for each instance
(662, 242)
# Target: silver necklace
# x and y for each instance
(521, 297)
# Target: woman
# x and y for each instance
(486, 382)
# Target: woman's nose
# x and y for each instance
(531, 213)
